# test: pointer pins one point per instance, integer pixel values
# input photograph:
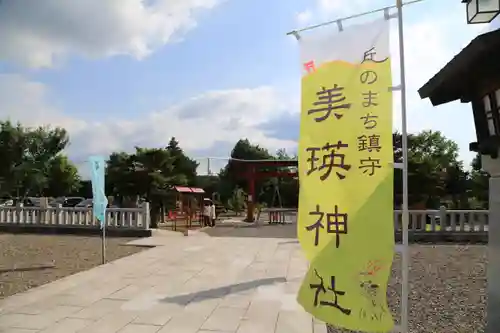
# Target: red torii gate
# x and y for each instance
(252, 174)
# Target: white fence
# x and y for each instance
(428, 222)
(423, 224)
(65, 217)
(444, 221)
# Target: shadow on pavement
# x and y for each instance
(289, 242)
(222, 291)
(27, 268)
(258, 231)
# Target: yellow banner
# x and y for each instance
(345, 224)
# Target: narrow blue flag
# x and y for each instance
(97, 168)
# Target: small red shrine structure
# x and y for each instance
(189, 205)
(252, 172)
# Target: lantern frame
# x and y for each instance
(486, 113)
(476, 14)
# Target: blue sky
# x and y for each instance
(206, 71)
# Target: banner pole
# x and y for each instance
(103, 249)
(405, 218)
(295, 32)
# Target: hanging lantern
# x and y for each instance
(482, 11)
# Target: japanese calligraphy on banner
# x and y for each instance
(346, 221)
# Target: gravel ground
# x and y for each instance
(447, 289)
(70, 254)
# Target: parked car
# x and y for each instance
(7, 203)
(27, 202)
(67, 201)
(87, 203)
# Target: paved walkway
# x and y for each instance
(233, 280)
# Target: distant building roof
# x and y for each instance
(185, 189)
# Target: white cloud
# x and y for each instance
(304, 17)
(326, 10)
(29, 103)
(48, 30)
(45, 31)
(200, 123)
(329, 7)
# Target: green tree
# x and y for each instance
(181, 162)
(84, 190)
(209, 183)
(284, 187)
(433, 146)
(232, 176)
(433, 168)
(154, 172)
(63, 178)
(12, 145)
(457, 186)
(27, 154)
(237, 201)
(149, 173)
(121, 179)
(479, 183)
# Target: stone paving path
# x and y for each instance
(189, 284)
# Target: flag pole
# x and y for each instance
(405, 213)
(103, 245)
(404, 138)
